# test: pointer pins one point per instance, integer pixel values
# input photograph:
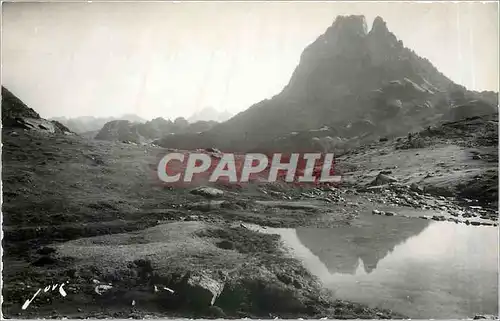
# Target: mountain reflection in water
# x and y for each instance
(369, 241)
(423, 269)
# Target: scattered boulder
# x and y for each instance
(383, 179)
(102, 288)
(416, 188)
(209, 192)
(201, 289)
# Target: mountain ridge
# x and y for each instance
(84, 124)
(347, 74)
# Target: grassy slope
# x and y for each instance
(64, 188)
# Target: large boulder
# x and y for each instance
(383, 179)
(209, 192)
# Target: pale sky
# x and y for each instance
(170, 59)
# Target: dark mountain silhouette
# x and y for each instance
(341, 249)
(13, 107)
(124, 130)
(346, 76)
(85, 124)
(17, 115)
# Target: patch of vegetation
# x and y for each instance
(244, 240)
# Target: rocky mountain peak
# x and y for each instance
(380, 35)
(347, 75)
(353, 25)
(379, 26)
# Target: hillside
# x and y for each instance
(16, 115)
(124, 130)
(93, 214)
(85, 124)
(347, 75)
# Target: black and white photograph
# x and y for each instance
(250, 160)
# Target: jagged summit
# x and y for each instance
(353, 25)
(380, 32)
(379, 26)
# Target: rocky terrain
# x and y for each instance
(90, 216)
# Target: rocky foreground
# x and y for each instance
(92, 216)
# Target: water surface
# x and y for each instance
(423, 269)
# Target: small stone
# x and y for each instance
(390, 214)
(376, 212)
(476, 157)
(100, 289)
(383, 179)
(207, 191)
(416, 188)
